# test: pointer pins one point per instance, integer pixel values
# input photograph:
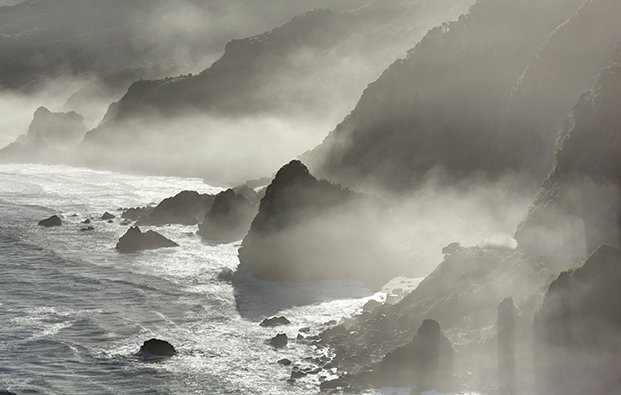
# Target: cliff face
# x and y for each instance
(310, 230)
(578, 349)
(441, 109)
(579, 206)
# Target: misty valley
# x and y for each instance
(405, 197)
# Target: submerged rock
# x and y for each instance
(52, 221)
(275, 321)
(333, 384)
(87, 229)
(279, 341)
(86, 221)
(157, 348)
(134, 240)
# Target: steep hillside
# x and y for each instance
(579, 206)
(439, 111)
(278, 92)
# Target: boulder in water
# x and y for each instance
(107, 216)
(135, 240)
(51, 222)
(275, 321)
(279, 341)
(157, 348)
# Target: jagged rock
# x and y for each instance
(134, 240)
(505, 327)
(107, 216)
(279, 341)
(230, 215)
(305, 230)
(578, 349)
(86, 221)
(157, 348)
(185, 208)
(274, 321)
(451, 248)
(426, 362)
(51, 222)
(135, 213)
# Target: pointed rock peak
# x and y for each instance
(42, 111)
(291, 172)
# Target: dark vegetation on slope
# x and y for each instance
(579, 206)
(441, 110)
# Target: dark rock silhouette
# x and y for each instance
(185, 208)
(107, 216)
(426, 362)
(275, 321)
(505, 332)
(578, 349)
(279, 341)
(52, 221)
(134, 240)
(86, 221)
(305, 230)
(230, 215)
(157, 348)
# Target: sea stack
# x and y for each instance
(505, 326)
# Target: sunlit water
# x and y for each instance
(73, 311)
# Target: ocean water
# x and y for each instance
(73, 312)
